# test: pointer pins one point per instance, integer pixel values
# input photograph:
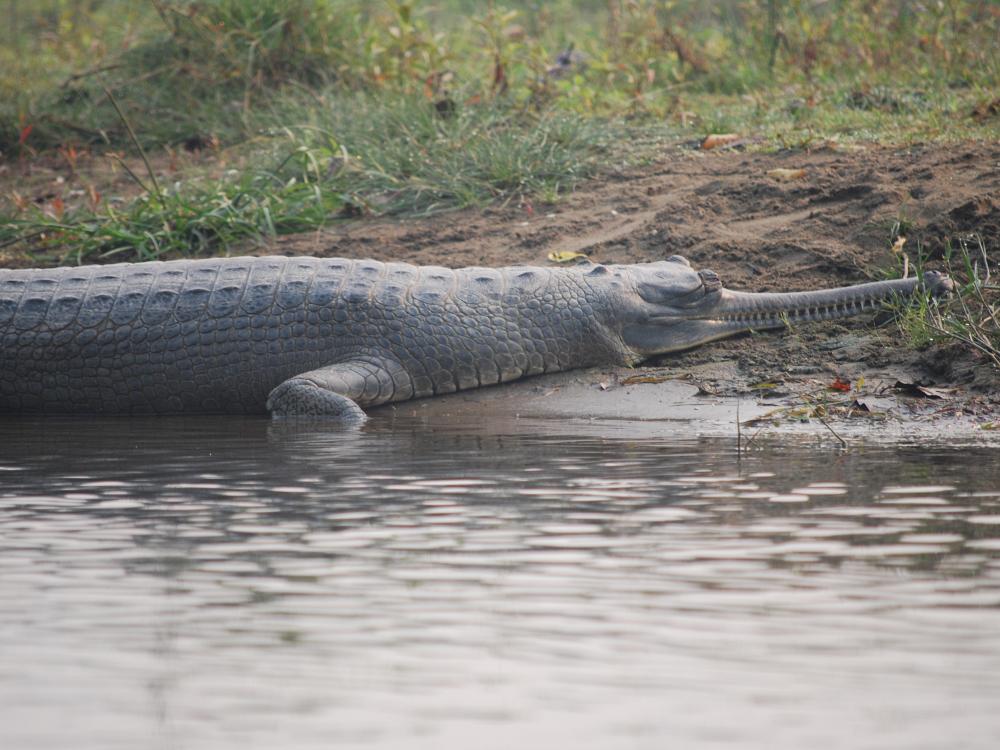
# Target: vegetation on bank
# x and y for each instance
(335, 108)
(223, 70)
(970, 316)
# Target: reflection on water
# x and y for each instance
(232, 583)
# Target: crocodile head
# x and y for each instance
(673, 307)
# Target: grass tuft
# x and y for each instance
(352, 108)
(367, 156)
(971, 316)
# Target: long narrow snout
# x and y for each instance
(775, 310)
(727, 313)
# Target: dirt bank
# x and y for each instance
(833, 225)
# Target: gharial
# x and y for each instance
(330, 336)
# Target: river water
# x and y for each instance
(233, 583)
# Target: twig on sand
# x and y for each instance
(827, 425)
(739, 433)
(753, 437)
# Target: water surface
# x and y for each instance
(232, 583)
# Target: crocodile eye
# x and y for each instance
(679, 259)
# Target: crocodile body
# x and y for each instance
(319, 335)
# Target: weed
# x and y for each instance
(402, 106)
(971, 316)
(196, 70)
(363, 156)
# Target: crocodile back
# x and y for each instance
(200, 335)
(217, 335)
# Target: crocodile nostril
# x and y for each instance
(710, 279)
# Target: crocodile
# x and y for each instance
(332, 337)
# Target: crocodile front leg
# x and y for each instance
(340, 391)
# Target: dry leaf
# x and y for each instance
(719, 139)
(840, 385)
(897, 246)
(921, 391)
(636, 379)
(566, 256)
(942, 393)
(785, 175)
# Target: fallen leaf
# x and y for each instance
(840, 385)
(897, 246)
(719, 139)
(636, 379)
(990, 426)
(785, 175)
(566, 256)
(603, 386)
(943, 393)
(804, 412)
(921, 391)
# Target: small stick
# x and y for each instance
(23, 238)
(827, 425)
(739, 433)
(135, 142)
(131, 174)
(753, 437)
(91, 72)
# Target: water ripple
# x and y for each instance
(223, 583)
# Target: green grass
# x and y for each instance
(969, 315)
(405, 156)
(973, 317)
(343, 159)
(345, 108)
(193, 72)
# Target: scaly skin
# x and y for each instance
(330, 336)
